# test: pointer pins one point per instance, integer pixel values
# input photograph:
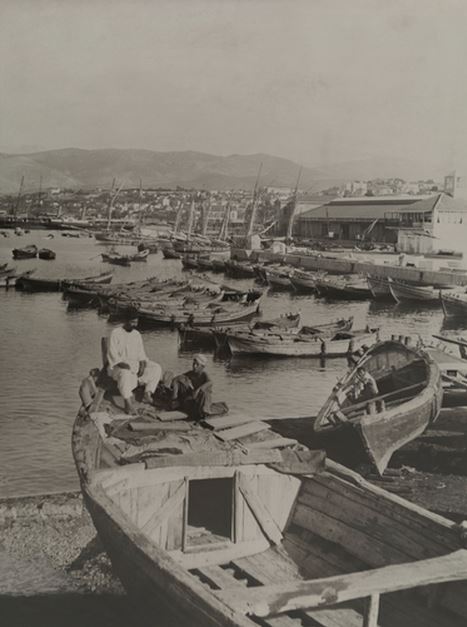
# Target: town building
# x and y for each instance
(412, 224)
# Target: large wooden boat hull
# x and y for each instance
(308, 546)
(297, 346)
(278, 281)
(385, 429)
(303, 283)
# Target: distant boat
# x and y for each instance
(46, 253)
(10, 280)
(379, 287)
(141, 255)
(28, 252)
(419, 294)
(304, 281)
(169, 253)
(343, 289)
(278, 279)
(341, 344)
(28, 283)
(116, 259)
(454, 304)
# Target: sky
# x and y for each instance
(316, 81)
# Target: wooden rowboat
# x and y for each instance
(279, 280)
(216, 337)
(222, 313)
(272, 344)
(293, 540)
(454, 304)
(46, 253)
(28, 252)
(420, 294)
(408, 399)
(343, 289)
(170, 253)
(379, 287)
(304, 281)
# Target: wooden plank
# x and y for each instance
(260, 511)
(222, 458)
(276, 599)
(277, 442)
(165, 511)
(169, 416)
(231, 420)
(227, 435)
(370, 616)
(149, 427)
(222, 578)
(219, 556)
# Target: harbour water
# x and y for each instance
(46, 351)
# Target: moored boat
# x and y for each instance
(379, 287)
(343, 289)
(454, 304)
(294, 539)
(46, 253)
(304, 281)
(409, 293)
(340, 344)
(10, 279)
(169, 253)
(28, 283)
(28, 252)
(278, 279)
(387, 399)
(116, 259)
(141, 255)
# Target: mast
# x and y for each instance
(109, 210)
(18, 198)
(224, 232)
(178, 217)
(207, 211)
(112, 200)
(254, 203)
(140, 204)
(191, 216)
(292, 209)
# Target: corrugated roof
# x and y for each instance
(370, 207)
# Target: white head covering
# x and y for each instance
(201, 359)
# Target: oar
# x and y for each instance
(450, 340)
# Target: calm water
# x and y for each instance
(46, 351)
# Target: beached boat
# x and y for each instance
(387, 399)
(219, 313)
(28, 252)
(272, 344)
(408, 293)
(454, 304)
(343, 289)
(294, 539)
(379, 287)
(46, 253)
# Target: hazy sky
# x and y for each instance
(315, 81)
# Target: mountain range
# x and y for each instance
(83, 169)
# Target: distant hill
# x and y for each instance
(78, 168)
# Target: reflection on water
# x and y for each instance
(46, 351)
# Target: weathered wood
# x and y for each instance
(317, 593)
(370, 617)
(167, 509)
(277, 442)
(222, 578)
(260, 511)
(226, 435)
(219, 556)
(231, 420)
(168, 416)
(223, 458)
(145, 427)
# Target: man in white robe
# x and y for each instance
(128, 364)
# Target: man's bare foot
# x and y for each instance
(129, 406)
(147, 398)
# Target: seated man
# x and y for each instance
(128, 364)
(191, 391)
(364, 385)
